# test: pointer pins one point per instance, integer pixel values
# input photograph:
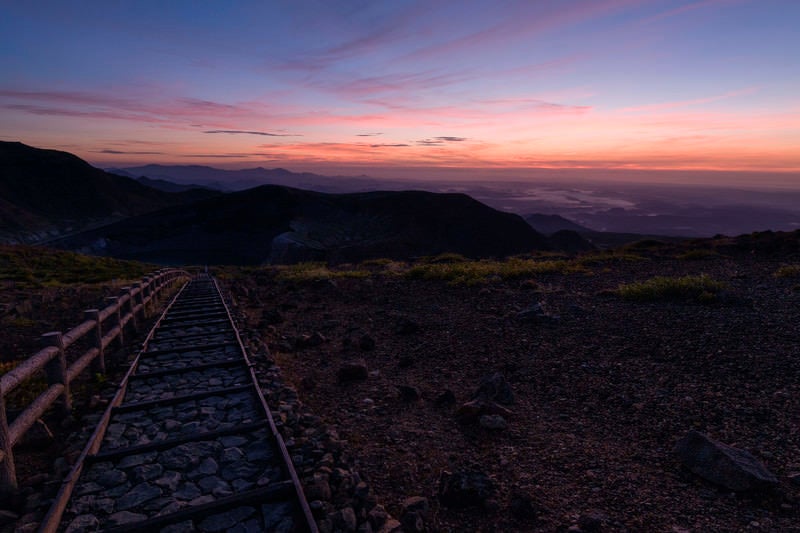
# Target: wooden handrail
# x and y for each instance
(130, 306)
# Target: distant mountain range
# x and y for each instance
(55, 197)
(238, 180)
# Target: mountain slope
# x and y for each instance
(57, 191)
(273, 224)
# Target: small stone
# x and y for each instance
(493, 422)
(494, 388)
(591, 522)
(464, 488)
(405, 361)
(125, 517)
(319, 489)
(391, 526)
(366, 343)
(522, 507)
(417, 504)
(406, 327)
(83, 524)
(408, 393)
(137, 496)
(317, 508)
(794, 479)
(446, 397)
(377, 517)
(412, 522)
(112, 478)
(353, 371)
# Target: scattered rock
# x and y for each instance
(408, 393)
(353, 371)
(417, 504)
(591, 522)
(465, 488)
(84, 522)
(493, 422)
(494, 388)
(412, 522)
(308, 383)
(522, 507)
(794, 479)
(406, 327)
(405, 361)
(366, 343)
(310, 341)
(536, 313)
(471, 411)
(724, 465)
(446, 397)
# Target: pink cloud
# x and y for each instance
(686, 103)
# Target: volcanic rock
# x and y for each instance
(724, 465)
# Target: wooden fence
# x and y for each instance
(101, 327)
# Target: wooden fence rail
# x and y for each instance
(101, 327)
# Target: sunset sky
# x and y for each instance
(370, 85)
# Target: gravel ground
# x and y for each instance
(601, 393)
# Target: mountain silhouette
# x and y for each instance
(53, 191)
(275, 224)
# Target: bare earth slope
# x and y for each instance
(601, 394)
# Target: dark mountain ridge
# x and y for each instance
(275, 224)
(48, 192)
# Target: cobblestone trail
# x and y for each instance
(188, 444)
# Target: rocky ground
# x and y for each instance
(601, 389)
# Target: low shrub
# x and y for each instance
(315, 272)
(702, 289)
(788, 271)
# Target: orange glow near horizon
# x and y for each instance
(603, 84)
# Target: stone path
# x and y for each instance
(188, 443)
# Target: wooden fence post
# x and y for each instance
(147, 289)
(99, 363)
(138, 299)
(114, 300)
(8, 472)
(129, 307)
(56, 370)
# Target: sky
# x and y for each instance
(690, 85)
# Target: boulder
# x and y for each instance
(353, 371)
(366, 343)
(408, 393)
(730, 467)
(493, 422)
(495, 388)
(464, 488)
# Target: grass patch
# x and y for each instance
(611, 256)
(476, 272)
(697, 255)
(788, 271)
(30, 266)
(702, 289)
(303, 272)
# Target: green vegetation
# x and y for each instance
(316, 272)
(609, 256)
(700, 289)
(475, 272)
(788, 271)
(699, 254)
(30, 266)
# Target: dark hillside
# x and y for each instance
(274, 224)
(57, 191)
